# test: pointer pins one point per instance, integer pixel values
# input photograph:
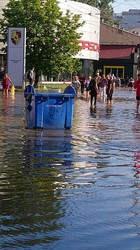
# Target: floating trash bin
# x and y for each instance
(51, 110)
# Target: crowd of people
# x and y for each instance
(103, 86)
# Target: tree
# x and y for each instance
(51, 38)
(106, 11)
(104, 6)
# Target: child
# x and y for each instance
(76, 84)
(137, 87)
(6, 84)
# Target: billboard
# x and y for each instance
(16, 55)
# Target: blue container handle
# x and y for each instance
(44, 98)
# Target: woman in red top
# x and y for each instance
(6, 84)
(137, 87)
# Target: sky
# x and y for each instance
(121, 5)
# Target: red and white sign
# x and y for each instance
(89, 45)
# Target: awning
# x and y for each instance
(116, 51)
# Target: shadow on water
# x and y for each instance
(72, 189)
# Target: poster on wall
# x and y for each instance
(16, 55)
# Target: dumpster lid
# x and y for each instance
(54, 95)
(70, 90)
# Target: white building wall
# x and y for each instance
(91, 28)
(3, 3)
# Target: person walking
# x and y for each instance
(28, 93)
(1, 76)
(126, 81)
(31, 75)
(109, 90)
(87, 87)
(102, 86)
(82, 80)
(93, 91)
(76, 83)
(131, 83)
(1, 73)
(6, 84)
(137, 87)
(118, 82)
(98, 79)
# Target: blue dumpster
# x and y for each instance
(51, 110)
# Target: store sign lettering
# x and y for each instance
(89, 45)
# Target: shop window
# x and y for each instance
(118, 71)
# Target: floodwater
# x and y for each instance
(75, 189)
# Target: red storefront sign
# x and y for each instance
(89, 45)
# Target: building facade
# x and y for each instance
(90, 40)
(114, 35)
(119, 52)
(129, 20)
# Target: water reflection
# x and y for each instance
(32, 203)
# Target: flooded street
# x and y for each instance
(75, 189)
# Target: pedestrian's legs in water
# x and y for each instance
(82, 88)
(91, 100)
(95, 100)
(138, 102)
(87, 95)
(109, 98)
(5, 92)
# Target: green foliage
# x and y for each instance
(106, 11)
(51, 38)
